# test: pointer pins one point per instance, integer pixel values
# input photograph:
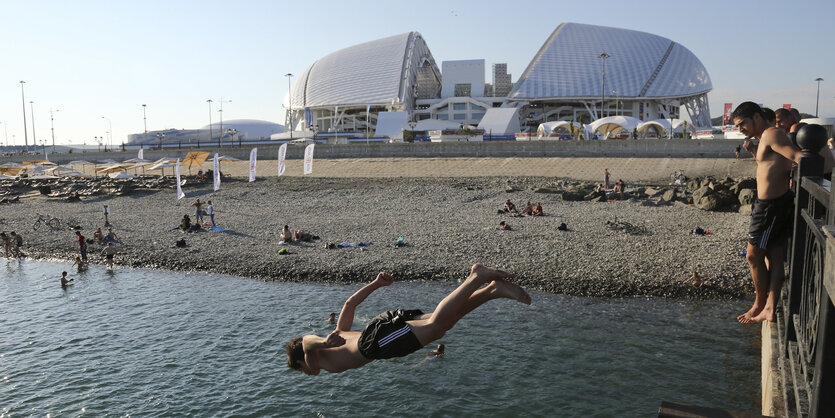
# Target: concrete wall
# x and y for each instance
(659, 148)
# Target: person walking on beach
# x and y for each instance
(198, 211)
(400, 332)
(108, 252)
(210, 210)
(606, 178)
(773, 209)
(737, 150)
(7, 244)
(82, 245)
(17, 242)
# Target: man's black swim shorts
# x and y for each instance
(388, 335)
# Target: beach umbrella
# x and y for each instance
(5, 177)
(162, 165)
(112, 168)
(13, 171)
(74, 174)
(194, 159)
(11, 165)
(41, 162)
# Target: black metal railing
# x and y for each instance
(807, 323)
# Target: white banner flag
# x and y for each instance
(45, 154)
(216, 173)
(282, 153)
(141, 154)
(180, 193)
(308, 159)
(253, 155)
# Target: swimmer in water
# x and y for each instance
(331, 318)
(397, 333)
(64, 281)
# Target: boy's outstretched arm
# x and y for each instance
(346, 316)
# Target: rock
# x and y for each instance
(650, 192)
(669, 195)
(701, 192)
(746, 196)
(572, 196)
(511, 189)
(693, 185)
(715, 201)
(545, 190)
(745, 209)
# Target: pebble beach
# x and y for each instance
(447, 224)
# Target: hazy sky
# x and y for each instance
(95, 59)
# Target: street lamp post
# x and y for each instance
(160, 135)
(145, 123)
(221, 114)
(52, 126)
(25, 134)
(290, 102)
(34, 138)
(98, 141)
(210, 123)
(603, 57)
(817, 100)
(110, 132)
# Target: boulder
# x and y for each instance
(693, 185)
(669, 195)
(701, 192)
(572, 196)
(745, 209)
(545, 190)
(650, 192)
(746, 196)
(715, 201)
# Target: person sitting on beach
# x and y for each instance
(537, 211)
(300, 235)
(200, 174)
(698, 279)
(528, 210)
(64, 280)
(286, 234)
(111, 236)
(98, 236)
(509, 207)
(79, 264)
(599, 188)
(438, 352)
(185, 224)
(400, 332)
(504, 226)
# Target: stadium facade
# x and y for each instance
(581, 72)
(227, 131)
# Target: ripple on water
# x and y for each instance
(143, 342)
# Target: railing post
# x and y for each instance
(823, 384)
(810, 165)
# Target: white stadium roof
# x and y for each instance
(639, 65)
(378, 72)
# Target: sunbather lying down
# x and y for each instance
(400, 332)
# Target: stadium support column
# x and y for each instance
(290, 102)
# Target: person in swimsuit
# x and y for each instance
(64, 280)
(438, 352)
(773, 210)
(108, 252)
(396, 333)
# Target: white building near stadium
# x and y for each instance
(581, 73)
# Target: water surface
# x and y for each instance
(146, 342)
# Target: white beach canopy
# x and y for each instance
(614, 124)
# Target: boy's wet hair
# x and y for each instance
(747, 110)
(295, 352)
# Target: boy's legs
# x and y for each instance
(776, 275)
(464, 299)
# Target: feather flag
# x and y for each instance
(253, 156)
(282, 153)
(180, 193)
(308, 159)
(216, 173)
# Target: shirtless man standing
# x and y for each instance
(772, 214)
(788, 122)
(396, 333)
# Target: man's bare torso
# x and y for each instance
(772, 170)
(344, 357)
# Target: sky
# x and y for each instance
(88, 66)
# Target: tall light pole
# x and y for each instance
(145, 123)
(290, 102)
(603, 57)
(109, 132)
(221, 114)
(210, 122)
(817, 100)
(52, 126)
(23, 98)
(34, 138)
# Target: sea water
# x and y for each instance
(147, 342)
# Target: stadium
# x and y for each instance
(581, 73)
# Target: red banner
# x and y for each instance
(787, 106)
(726, 120)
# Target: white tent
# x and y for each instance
(611, 125)
(500, 121)
(560, 126)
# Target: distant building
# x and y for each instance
(647, 77)
(231, 130)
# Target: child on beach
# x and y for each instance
(108, 252)
(396, 333)
(64, 280)
(98, 236)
